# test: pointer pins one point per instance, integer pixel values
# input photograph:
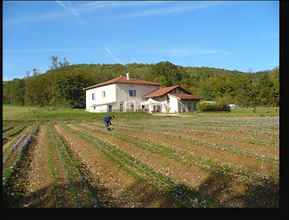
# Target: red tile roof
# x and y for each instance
(161, 91)
(123, 80)
(186, 97)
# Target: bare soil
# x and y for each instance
(221, 156)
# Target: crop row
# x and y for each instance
(8, 146)
(14, 131)
(157, 147)
(140, 170)
(15, 168)
(224, 147)
(185, 158)
(220, 136)
(173, 124)
(79, 190)
(250, 137)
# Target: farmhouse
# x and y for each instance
(123, 94)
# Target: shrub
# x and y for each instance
(212, 107)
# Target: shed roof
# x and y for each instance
(186, 97)
(161, 91)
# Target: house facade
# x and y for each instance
(123, 94)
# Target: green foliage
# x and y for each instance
(62, 85)
(71, 89)
(166, 73)
(13, 92)
(211, 107)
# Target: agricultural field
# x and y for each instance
(65, 158)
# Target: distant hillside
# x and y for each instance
(63, 86)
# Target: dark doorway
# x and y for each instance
(121, 107)
(109, 108)
(132, 107)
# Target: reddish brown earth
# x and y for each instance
(104, 172)
(39, 176)
(269, 151)
(220, 156)
(229, 189)
(189, 174)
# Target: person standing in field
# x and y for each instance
(107, 122)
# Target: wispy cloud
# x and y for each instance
(190, 52)
(110, 4)
(44, 50)
(115, 59)
(79, 9)
(67, 5)
(173, 8)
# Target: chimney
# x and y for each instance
(127, 76)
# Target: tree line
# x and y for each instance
(63, 83)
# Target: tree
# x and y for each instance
(65, 62)
(35, 72)
(275, 80)
(167, 72)
(13, 92)
(71, 89)
(59, 86)
(55, 62)
(253, 94)
(27, 74)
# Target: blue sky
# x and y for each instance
(233, 35)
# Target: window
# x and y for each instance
(132, 92)
(189, 106)
(103, 94)
(93, 96)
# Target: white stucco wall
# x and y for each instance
(100, 102)
(123, 95)
(116, 94)
(173, 103)
(163, 102)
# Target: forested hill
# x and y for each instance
(62, 86)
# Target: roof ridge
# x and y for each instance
(161, 91)
(123, 79)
